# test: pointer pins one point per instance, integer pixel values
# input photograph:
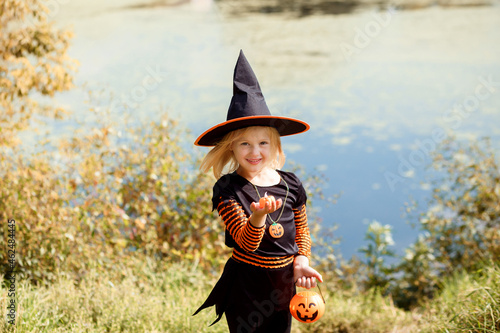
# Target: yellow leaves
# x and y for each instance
(140, 223)
(34, 60)
(23, 78)
(497, 190)
(4, 84)
(36, 175)
(14, 9)
(175, 252)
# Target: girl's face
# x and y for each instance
(253, 150)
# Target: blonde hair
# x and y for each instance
(221, 155)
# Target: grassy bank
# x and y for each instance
(152, 297)
(467, 303)
(148, 298)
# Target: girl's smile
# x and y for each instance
(254, 162)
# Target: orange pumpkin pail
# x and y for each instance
(307, 306)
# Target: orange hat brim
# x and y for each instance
(284, 125)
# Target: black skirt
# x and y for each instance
(254, 299)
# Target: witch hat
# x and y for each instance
(248, 108)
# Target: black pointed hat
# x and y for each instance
(248, 108)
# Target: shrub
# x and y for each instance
(463, 221)
(379, 239)
(105, 195)
(461, 229)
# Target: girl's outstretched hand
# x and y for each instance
(304, 275)
(258, 216)
(271, 205)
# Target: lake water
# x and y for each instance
(378, 86)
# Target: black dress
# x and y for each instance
(257, 284)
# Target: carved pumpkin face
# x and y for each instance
(307, 306)
(276, 230)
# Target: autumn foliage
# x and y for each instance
(34, 63)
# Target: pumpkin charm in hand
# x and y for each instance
(265, 199)
(307, 306)
(276, 230)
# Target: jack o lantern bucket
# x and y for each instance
(307, 306)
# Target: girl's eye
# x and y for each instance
(244, 143)
(264, 143)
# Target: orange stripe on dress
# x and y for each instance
(261, 261)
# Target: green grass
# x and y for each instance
(154, 298)
(153, 301)
(467, 303)
(368, 313)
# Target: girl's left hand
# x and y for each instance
(305, 276)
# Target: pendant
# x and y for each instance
(276, 230)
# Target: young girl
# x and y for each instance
(263, 209)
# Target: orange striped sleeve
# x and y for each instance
(302, 235)
(237, 223)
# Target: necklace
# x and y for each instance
(276, 229)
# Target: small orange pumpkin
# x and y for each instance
(307, 306)
(276, 230)
(265, 199)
